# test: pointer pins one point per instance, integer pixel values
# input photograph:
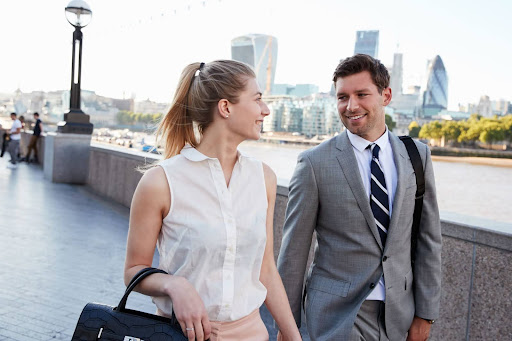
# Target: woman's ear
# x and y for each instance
(224, 108)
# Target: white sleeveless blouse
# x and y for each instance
(215, 235)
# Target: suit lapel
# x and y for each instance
(347, 160)
(401, 158)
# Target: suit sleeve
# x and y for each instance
(298, 228)
(427, 268)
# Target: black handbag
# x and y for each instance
(103, 322)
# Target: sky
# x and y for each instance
(135, 48)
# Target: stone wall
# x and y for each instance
(476, 301)
(25, 139)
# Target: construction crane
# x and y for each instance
(268, 83)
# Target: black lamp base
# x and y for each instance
(75, 123)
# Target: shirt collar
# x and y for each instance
(361, 144)
(194, 155)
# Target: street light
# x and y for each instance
(78, 14)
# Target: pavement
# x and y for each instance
(61, 246)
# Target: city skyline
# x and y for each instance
(135, 48)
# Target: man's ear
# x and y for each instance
(224, 108)
(387, 95)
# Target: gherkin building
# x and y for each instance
(434, 95)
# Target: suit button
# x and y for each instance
(385, 258)
(372, 285)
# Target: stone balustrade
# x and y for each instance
(476, 302)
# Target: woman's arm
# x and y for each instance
(150, 205)
(276, 301)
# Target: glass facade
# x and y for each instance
(367, 42)
(260, 52)
(434, 96)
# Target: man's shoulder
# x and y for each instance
(321, 150)
(422, 148)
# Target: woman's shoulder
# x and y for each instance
(153, 179)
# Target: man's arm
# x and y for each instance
(298, 230)
(427, 268)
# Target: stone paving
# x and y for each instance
(60, 247)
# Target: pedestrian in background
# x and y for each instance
(209, 209)
(14, 141)
(21, 146)
(32, 145)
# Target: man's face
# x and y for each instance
(13, 117)
(360, 106)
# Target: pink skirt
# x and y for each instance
(249, 328)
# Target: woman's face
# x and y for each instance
(246, 117)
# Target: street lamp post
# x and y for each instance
(78, 14)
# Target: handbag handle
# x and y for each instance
(134, 282)
(137, 275)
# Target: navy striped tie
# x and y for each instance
(379, 200)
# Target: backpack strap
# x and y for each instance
(415, 157)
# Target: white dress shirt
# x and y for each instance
(387, 162)
(215, 235)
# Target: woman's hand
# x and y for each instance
(189, 310)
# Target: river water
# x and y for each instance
(473, 194)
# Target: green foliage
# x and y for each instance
(491, 131)
(476, 128)
(431, 130)
(414, 129)
(130, 118)
(451, 130)
(390, 123)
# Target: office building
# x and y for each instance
(434, 95)
(260, 52)
(396, 79)
(367, 42)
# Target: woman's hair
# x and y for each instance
(200, 88)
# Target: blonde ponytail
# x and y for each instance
(200, 88)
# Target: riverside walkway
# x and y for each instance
(60, 247)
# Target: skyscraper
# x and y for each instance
(367, 42)
(260, 52)
(434, 94)
(396, 75)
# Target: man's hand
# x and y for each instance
(419, 330)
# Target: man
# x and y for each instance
(14, 143)
(357, 191)
(32, 145)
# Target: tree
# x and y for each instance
(390, 123)
(506, 121)
(431, 130)
(492, 131)
(451, 130)
(414, 129)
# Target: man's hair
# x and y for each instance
(36, 114)
(360, 63)
(13, 113)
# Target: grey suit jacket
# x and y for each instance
(327, 196)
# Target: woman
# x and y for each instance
(209, 209)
